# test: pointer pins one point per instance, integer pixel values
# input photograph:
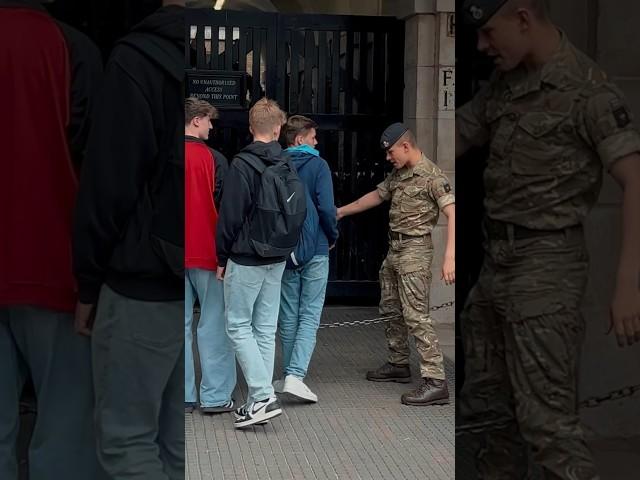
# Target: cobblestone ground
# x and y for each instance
(357, 430)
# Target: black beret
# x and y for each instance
(392, 134)
(478, 12)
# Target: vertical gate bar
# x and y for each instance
(228, 48)
(242, 50)
(353, 244)
(187, 46)
(255, 74)
(272, 50)
(200, 52)
(293, 79)
(323, 52)
(281, 63)
(219, 58)
(212, 63)
(335, 71)
(362, 88)
(309, 50)
(378, 71)
(348, 75)
(264, 65)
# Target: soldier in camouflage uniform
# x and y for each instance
(418, 191)
(552, 121)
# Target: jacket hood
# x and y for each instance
(167, 22)
(267, 152)
(160, 37)
(301, 155)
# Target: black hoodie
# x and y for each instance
(242, 183)
(139, 115)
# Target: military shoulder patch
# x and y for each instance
(620, 114)
(447, 187)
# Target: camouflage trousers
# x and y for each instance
(405, 281)
(522, 331)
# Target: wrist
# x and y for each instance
(627, 271)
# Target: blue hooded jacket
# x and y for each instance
(315, 173)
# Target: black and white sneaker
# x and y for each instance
(227, 407)
(242, 411)
(257, 413)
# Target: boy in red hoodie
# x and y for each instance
(48, 86)
(204, 174)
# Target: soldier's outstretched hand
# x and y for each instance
(449, 271)
(625, 313)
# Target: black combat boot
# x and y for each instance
(390, 373)
(429, 392)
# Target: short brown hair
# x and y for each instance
(266, 115)
(410, 138)
(540, 8)
(297, 125)
(196, 107)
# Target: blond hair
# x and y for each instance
(265, 116)
(196, 107)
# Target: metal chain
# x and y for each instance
(590, 402)
(618, 394)
(372, 321)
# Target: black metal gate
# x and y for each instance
(344, 72)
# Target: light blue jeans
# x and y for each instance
(252, 301)
(303, 292)
(44, 344)
(217, 360)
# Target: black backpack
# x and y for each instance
(280, 208)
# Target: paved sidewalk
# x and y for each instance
(357, 430)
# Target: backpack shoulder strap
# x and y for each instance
(253, 161)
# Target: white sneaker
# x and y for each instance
(296, 387)
(278, 385)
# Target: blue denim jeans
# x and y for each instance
(217, 360)
(43, 343)
(252, 300)
(303, 292)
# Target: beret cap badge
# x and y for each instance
(476, 12)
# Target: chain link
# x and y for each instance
(373, 321)
(590, 402)
(624, 392)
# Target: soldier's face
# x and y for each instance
(398, 155)
(504, 39)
